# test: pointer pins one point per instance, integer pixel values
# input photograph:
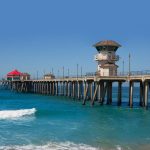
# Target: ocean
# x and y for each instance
(42, 122)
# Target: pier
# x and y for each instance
(94, 88)
(87, 88)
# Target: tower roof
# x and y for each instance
(107, 43)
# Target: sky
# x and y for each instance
(45, 35)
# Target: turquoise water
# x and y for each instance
(63, 123)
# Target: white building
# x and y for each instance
(49, 76)
(107, 57)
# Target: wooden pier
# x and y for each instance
(88, 88)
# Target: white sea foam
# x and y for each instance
(52, 146)
(119, 147)
(12, 114)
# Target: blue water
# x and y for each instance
(63, 123)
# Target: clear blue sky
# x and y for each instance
(38, 35)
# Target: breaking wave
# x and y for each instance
(12, 114)
(51, 146)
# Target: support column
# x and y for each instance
(33, 87)
(119, 93)
(73, 89)
(44, 87)
(91, 90)
(47, 88)
(99, 92)
(56, 88)
(109, 92)
(66, 89)
(141, 95)
(53, 88)
(33, 91)
(95, 92)
(36, 87)
(78, 84)
(68, 93)
(85, 92)
(70, 90)
(43, 83)
(40, 88)
(102, 92)
(81, 90)
(63, 87)
(131, 86)
(146, 88)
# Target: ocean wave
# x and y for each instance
(51, 146)
(12, 114)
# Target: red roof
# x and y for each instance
(14, 73)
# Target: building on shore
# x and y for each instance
(17, 75)
(107, 58)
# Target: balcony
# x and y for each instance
(99, 57)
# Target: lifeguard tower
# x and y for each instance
(107, 58)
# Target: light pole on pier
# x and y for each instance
(52, 71)
(68, 72)
(44, 71)
(129, 64)
(81, 72)
(58, 73)
(123, 67)
(77, 70)
(37, 74)
(63, 72)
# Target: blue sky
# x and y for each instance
(38, 35)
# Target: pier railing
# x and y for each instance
(132, 73)
(135, 73)
(94, 74)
